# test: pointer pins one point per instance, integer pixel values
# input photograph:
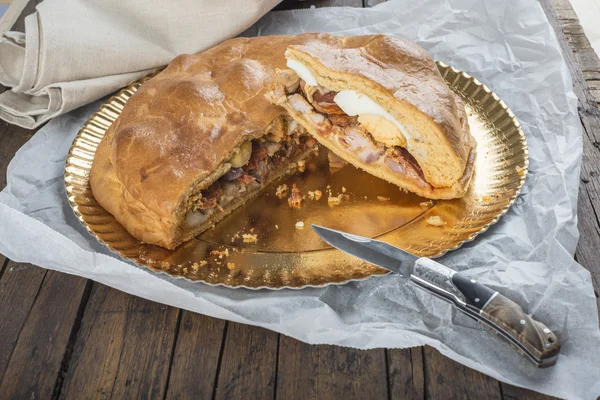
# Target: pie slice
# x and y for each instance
(380, 103)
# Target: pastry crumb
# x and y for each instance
(334, 200)
(436, 220)
(197, 266)
(296, 199)
(301, 165)
(230, 266)
(250, 238)
(343, 189)
(276, 226)
(520, 171)
(311, 195)
(426, 204)
(220, 253)
(281, 191)
(318, 194)
(185, 271)
(381, 198)
(300, 225)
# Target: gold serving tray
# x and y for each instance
(288, 257)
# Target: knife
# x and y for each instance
(491, 309)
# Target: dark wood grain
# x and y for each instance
(34, 369)
(196, 357)
(12, 138)
(510, 392)
(19, 287)
(248, 363)
(327, 372)
(588, 250)
(20, 283)
(123, 349)
(406, 375)
(297, 370)
(447, 379)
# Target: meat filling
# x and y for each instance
(367, 138)
(265, 155)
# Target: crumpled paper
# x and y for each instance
(527, 256)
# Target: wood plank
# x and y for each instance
(123, 349)
(196, 357)
(560, 5)
(571, 27)
(297, 370)
(510, 392)
(578, 42)
(591, 75)
(12, 138)
(447, 379)
(594, 89)
(327, 372)
(19, 287)
(3, 263)
(248, 363)
(566, 14)
(588, 249)
(35, 366)
(587, 60)
(406, 373)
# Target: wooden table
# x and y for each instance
(62, 336)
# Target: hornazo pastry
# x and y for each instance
(197, 141)
(207, 134)
(380, 103)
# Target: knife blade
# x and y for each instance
(490, 308)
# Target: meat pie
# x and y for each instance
(380, 103)
(208, 133)
(199, 140)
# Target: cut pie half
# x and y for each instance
(197, 141)
(380, 103)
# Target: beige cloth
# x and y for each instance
(77, 51)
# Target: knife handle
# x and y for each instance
(494, 311)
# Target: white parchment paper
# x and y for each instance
(528, 256)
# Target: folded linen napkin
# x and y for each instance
(77, 51)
